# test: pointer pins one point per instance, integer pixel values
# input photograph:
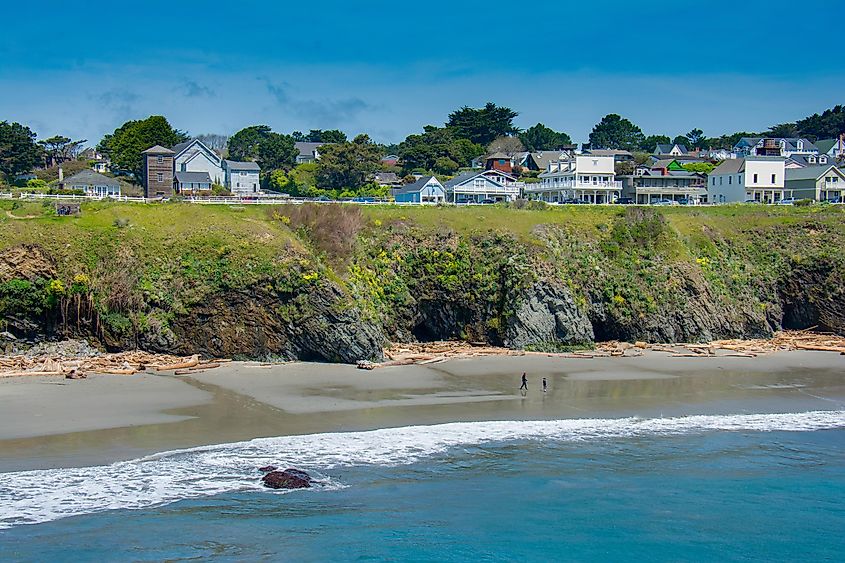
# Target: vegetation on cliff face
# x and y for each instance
(336, 282)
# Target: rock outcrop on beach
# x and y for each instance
(283, 283)
(287, 479)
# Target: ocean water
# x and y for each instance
(766, 487)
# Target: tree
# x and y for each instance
(125, 145)
(542, 138)
(348, 165)
(421, 151)
(482, 126)
(615, 132)
(277, 152)
(650, 143)
(697, 139)
(788, 130)
(507, 145)
(829, 125)
(244, 144)
(681, 140)
(700, 167)
(59, 149)
(328, 136)
(445, 165)
(18, 151)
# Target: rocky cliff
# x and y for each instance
(278, 284)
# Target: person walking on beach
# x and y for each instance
(544, 385)
(524, 382)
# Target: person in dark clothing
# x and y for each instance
(544, 385)
(524, 382)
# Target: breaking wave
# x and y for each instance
(29, 497)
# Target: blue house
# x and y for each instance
(425, 190)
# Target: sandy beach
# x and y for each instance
(53, 422)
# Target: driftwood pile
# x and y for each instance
(123, 363)
(436, 352)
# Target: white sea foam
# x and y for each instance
(39, 496)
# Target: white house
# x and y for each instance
(671, 150)
(195, 156)
(753, 178)
(242, 178)
(308, 152)
(583, 177)
(476, 187)
(751, 146)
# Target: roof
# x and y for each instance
(307, 149)
(661, 148)
(498, 155)
(387, 176)
(729, 166)
(809, 172)
(825, 145)
(235, 165)
(543, 158)
(177, 148)
(464, 177)
(158, 149)
(91, 178)
(416, 186)
(664, 163)
(804, 159)
(193, 178)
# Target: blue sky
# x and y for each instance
(388, 68)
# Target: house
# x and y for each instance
(583, 177)
(478, 162)
(819, 183)
(388, 179)
(540, 160)
(308, 152)
(158, 171)
(475, 187)
(664, 180)
(195, 156)
(833, 148)
(779, 146)
(425, 190)
(100, 166)
(93, 184)
(499, 161)
(717, 154)
(671, 150)
(242, 178)
(753, 178)
(390, 160)
(804, 160)
(193, 183)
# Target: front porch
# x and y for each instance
(771, 195)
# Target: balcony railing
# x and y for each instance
(567, 185)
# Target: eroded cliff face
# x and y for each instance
(633, 279)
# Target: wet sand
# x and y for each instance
(51, 422)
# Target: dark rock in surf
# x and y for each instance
(287, 479)
(267, 468)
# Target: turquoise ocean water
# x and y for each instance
(700, 488)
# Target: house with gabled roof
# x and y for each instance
(671, 150)
(425, 190)
(193, 183)
(804, 160)
(308, 152)
(158, 171)
(93, 184)
(195, 156)
(476, 187)
(664, 180)
(819, 183)
(834, 148)
(242, 178)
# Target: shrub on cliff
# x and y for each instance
(331, 229)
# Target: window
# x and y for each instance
(159, 159)
(721, 180)
(713, 182)
(755, 178)
(159, 177)
(243, 173)
(774, 178)
(730, 180)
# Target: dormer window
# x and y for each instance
(159, 159)
(811, 159)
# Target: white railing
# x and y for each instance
(568, 185)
